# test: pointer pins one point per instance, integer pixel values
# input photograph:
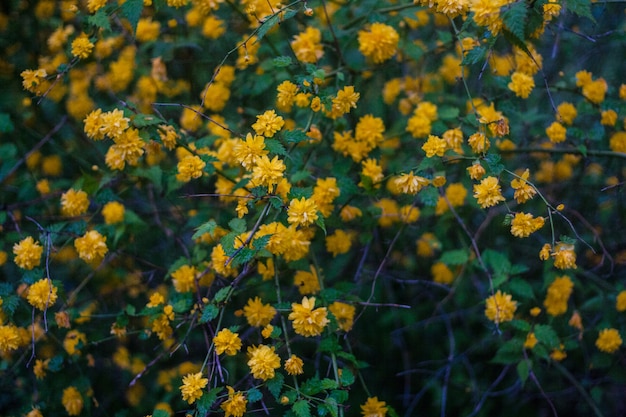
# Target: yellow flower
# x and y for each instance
(500, 307)
(95, 5)
(476, 171)
(379, 43)
(268, 123)
(441, 273)
(74, 203)
(294, 365)
(286, 95)
(487, 13)
(556, 132)
(434, 146)
(267, 331)
(302, 212)
(479, 142)
(371, 169)
(617, 142)
(258, 314)
(248, 152)
(27, 253)
(487, 193)
(338, 243)
(558, 294)
(307, 45)
(227, 342)
(263, 361)
(184, 278)
(558, 354)
(190, 167)
(608, 117)
(219, 261)
(72, 401)
(564, 256)
(566, 113)
(147, 30)
(307, 320)
(113, 212)
(192, 387)
(523, 190)
(609, 340)
(235, 405)
(349, 213)
(521, 84)
(374, 408)
(346, 99)
(410, 183)
(9, 338)
(113, 123)
(620, 302)
(344, 314)
(42, 294)
(91, 247)
(82, 46)
(307, 282)
(268, 172)
(531, 341)
(523, 224)
(74, 339)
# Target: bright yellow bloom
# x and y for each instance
(42, 294)
(531, 341)
(307, 282)
(488, 193)
(91, 247)
(521, 84)
(268, 172)
(620, 302)
(294, 365)
(523, 224)
(434, 146)
(410, 183)
(221, 262)
(558, 294)
(617, 142)
(82, 46)
(9, 338)
(236, 403)
(184, 278)
(374, 408)
(302, 212)
(249, 151)
(609, 340)
(95, 5)
(263, 361)
(349, 213)
(113, 212)
(258, 314)
(441, 273)
(556, 132)
(379, 43)
(346, 99)
(113, 123)
(479, 142)
(371, 169)
(558, 354)
(476, 171)
(523, 190)
(286, 95)
(74, 339)
(344, 314)
(564, 256)
(339, 242)
(74, 203)
(192, 387)
(268, 123)
(307, 45)
(566, 113)
(27, 253)
(147, 30)
(306, 319)
(500, 307)
(190, 167)
(227, 342)
(72, 401)
(608, 117)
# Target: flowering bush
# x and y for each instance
(322, 208)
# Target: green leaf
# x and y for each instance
(253, 395)
(275, 147)
(183, 303)
(521, 325)
(347, 377)
(282, 61)
(329, 406)
(6, 124)
(275, 384)
(340, 395)
(514, 18)
(412, 50)
(209, 312)
(55, 364)
(497, 261)
(448, 113)
(205, 402)
(222, 294)
(329, 344)
(493, 163)
(131, 10)
(237, 225)
(131, 310)
(429, 196)
(580, 7)
(475, 55)
(100, 20)
(522, 289)
(455, 257)
(295, 136)
(328, 383)
(208, 227)
(301, 408)
(546, 335)
(312, 387)
(154, 174)
(523, 370)
(510, 352)
(160, 413)
(143, 120)
(272, 21)
(321, 223)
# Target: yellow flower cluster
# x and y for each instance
(27, 253)
(558, 295)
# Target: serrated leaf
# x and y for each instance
(131, 10)
(475, 55)
(455, 257)
(301, 408)
(100, 20)
(347, 377)
(295, 136)
(546, 335)
(580, 7)
(237, 225)
(312, 386)
(275, 147)
(328, 383)
(209, 312)
(521, 288)
(281, 61)
(275, 384)
(6, 124)
(205, 402)
(55, 364)
(498, 262)
(143, 120)
(514, 18)
(222, 294)
(521, 325)
(208, 227)
(510, 352)
(448, 113)
(253, 395)
(331, 406)
(493, 163)
(429, 196)
(272, 21)
(321, 223)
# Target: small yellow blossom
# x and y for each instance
(74, 202)
(27, 253)
(236, 403)
(258, 314)
(82, 46)
(379, 43)
(72, 401)
(306, 319)
(263, 361)
(113, 212)
(302, 212)
(500, 307)
(227, 342)
(344, 314)
(620, 302)
(91, 247)
(192, 388)
(488, 193)
(558, 295)
(523, 224)
(42, 294)
(609, 340)
(374, 408)
(294, 365)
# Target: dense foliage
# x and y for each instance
(323, 208)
